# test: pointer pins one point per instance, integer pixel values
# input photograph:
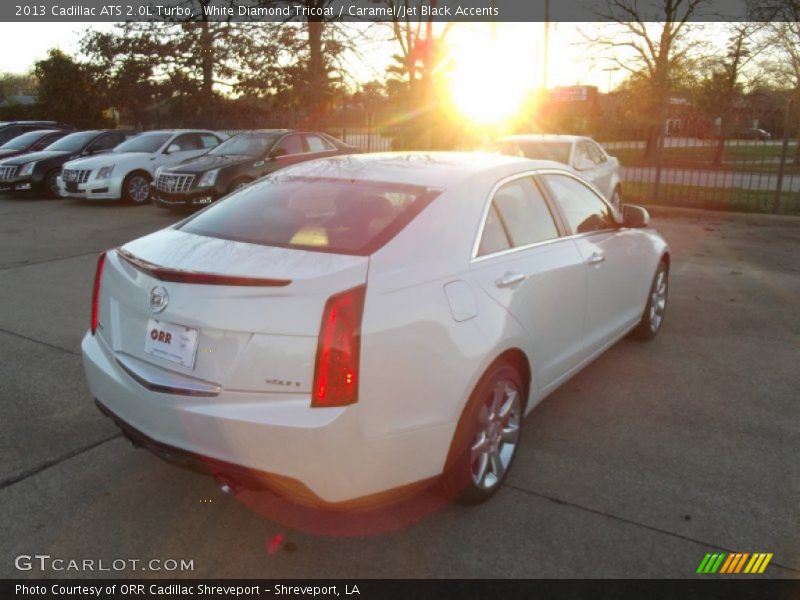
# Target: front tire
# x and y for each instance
(487, 437)
(50, 188)
(136, 188)
(656, 306)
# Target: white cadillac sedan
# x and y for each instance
(349, 328)
(581, 153)
(126, 173)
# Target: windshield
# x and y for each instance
(538, 150)
(145, 142)
(24, 141)
(246, 144)
(322, 214)
(73, 142)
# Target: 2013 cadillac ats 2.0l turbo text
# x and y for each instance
(347, 328)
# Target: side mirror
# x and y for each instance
(172, 148)
(583, 164)
(635, 216)
(277, 153)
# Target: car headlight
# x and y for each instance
(104, 172)
(209, 178)
(27, 169)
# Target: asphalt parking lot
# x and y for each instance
(654, 455)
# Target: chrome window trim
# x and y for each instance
(532, 173)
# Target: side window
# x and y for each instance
(583, 156)
(318, 144)
(583, 210)
(105, 142)
(293, 144)
(524, 213)
(521, 216)
(187, 141)
(596, 152)
(43, 143)
(493, 238)
(208, 141)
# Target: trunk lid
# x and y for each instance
(254, 310)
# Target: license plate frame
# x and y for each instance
(171, 342)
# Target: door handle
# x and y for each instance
(509, 279)
(596, 258)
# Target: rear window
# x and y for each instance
(557, 151)
(320, 214)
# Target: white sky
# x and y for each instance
(570, 62)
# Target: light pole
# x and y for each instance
(610, 70)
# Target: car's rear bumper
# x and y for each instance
(316, 456)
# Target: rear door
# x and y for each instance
(525, 264)
(613, 259)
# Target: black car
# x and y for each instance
(238, 161)
(33, 141)
(37, 172)
(11, 129)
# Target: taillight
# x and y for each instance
(98, 275)
(338, 349)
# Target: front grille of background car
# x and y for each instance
(7, 173)
(174, 183)
(75, 175)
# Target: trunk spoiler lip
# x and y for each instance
(197, 277)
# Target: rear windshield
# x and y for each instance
(557, 151)
(320, 214)
(245, 144)
(145, 142)
(21, 142)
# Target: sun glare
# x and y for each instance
(486, 84)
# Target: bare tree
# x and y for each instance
(726, 82)
(657, 36)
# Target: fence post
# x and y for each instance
(369, 132)
(659, 150)
(344, 125)
(784, 152)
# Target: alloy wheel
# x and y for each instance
(496, 438)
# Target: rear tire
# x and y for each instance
(656, 306)
(136, 188)
(487, 437)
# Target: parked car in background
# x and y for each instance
(33, 141)
(239, 161)
(583, 154)
(11, 129)
(753, 133)
(38, 172)
(359, 324)
(126, 173)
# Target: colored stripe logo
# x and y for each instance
(734, 563)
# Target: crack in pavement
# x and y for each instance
(35, 341)
(594, 511)
(22, 265)
(9, 481)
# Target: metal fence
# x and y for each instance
(754, 175)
